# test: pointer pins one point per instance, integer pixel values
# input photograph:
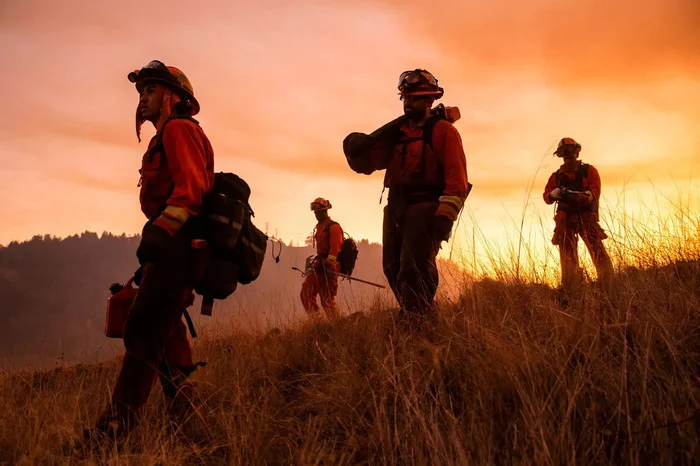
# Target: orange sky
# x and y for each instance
(280, 87)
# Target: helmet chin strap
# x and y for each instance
(139, 123)
(170, 99)
(166, 107)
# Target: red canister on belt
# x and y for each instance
(118, 306)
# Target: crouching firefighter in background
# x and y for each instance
(426, 173)
(575, 187)
(172, 188)
(321, 279)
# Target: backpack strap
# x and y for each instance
(576, 185)
(426, 137)
(581, 173)
(158, 146)
(328, 230)
(427, 134)
(428, 129)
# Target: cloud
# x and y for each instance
(282, 84)
(84, 180)
(562, 43)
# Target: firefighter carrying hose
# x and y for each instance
(426, 174)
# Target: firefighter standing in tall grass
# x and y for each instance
(575, 187)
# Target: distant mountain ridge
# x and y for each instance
(53, 293)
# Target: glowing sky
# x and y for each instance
(281, 83)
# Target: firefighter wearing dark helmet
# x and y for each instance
(575, 187)
(426, 174)
(177, 170)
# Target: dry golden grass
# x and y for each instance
(506, 376)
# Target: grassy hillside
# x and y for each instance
(506, 376)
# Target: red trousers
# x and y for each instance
(320, 283)
(566, 233)
(155, 337)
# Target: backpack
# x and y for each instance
(347, 257)
(237, 247)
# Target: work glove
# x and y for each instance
(138, 276)
(556, 194)
(585, 199)
(325, 265)
(568, 196)
(442, 228)
(331, 264)
(154, 242)
(317, 265)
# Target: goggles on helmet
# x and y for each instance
(412, 78)
(155, 65)
(567, 149)
(155, 70)
(320, 204)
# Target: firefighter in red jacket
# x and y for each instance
(426, 173)
(575, 187)
(177, 170)
(321, 276)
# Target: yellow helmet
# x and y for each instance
(419, 82)
(567, 145)
(320, 204)
(156, 71)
